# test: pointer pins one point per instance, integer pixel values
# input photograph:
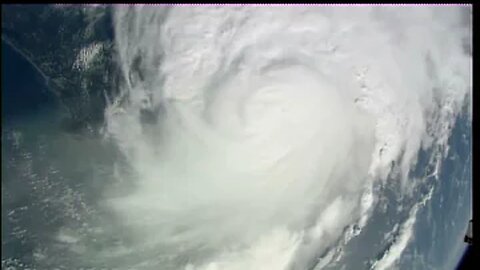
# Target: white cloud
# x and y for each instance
(404, 237)
(275, 117)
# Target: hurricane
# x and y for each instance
(264, 136)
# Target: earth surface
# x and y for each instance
(100, 169)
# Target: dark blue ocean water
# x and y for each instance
(41, 164)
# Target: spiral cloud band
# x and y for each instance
(257, 132)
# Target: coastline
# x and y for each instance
(26, 57)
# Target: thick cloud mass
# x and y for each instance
(255, 131)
